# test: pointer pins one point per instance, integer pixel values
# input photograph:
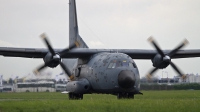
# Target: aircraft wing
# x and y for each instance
(133, 53)
(23, 52)
(85, 52)
(149, 54)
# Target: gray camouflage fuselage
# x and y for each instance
(102, 76)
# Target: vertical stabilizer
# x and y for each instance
(74, 36)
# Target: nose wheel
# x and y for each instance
(125, 96)
(73, 96)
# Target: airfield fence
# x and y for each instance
(194, 86)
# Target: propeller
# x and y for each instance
(53, 58)
(162, 60)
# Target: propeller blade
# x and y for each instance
(44, 37)
(176, 69)
(178, 48)
(151, 73)
(39, 69)
(63, 52)
(156, 46)
(66, 69)
(42, 67)
(56, 57)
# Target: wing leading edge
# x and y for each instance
(85, 52)
(23, 52)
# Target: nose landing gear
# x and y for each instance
(125, 95)
(73, 96)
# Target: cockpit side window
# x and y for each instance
(123, 63)
(131, 65)
(110, 65)
(114, 64)
(134, 65)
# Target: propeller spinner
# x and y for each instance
(162, 60)
(53, 58)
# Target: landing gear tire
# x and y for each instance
(119, 96)
(73, 96)
(125, 96)
(130, 95)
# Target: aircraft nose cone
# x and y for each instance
(126, 79)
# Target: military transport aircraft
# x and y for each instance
(110, 71)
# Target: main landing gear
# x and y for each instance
(125, 96)
(73, 96)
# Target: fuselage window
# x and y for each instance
(131, 65)
(110, 65)
(125, 64)
(114, 64)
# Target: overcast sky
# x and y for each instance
(122, 24)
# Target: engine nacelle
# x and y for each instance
(159, 62)
(80, 86)
(56, 59)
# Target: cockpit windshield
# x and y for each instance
(124, 63)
